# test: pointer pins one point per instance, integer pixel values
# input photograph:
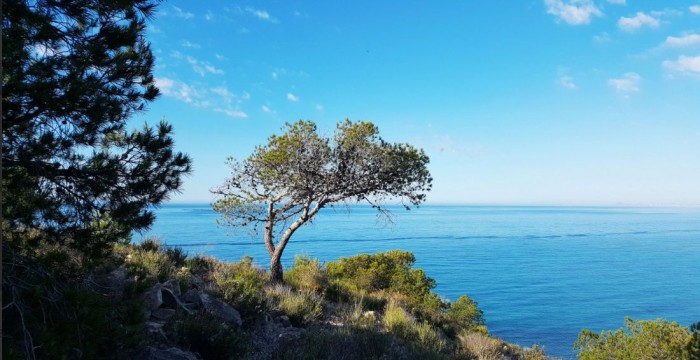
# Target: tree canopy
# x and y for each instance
(285, 183)
(74, 72)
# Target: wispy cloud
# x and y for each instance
(291, 97)
(183, 14)
(627, 84)
(203, 68)
(617, 2)
(209, 15)
(319, 107)
(694, 9)
(261, 14)
(219, 57)
(232, 113)
(638, 21)
(682, 41)
(573, 12)
(188, 44)
(178, 90)
(265, 108)
(603, 38)
(566, 81)
(684, 64)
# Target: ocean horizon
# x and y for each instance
(540, 273)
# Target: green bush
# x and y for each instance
(306, 274)
(385, 276)
(241, 284)
(463, 314)
(144, 262)
(207, 336)
(429, 338)
(642, 339)
(398, 322)
(302, 307)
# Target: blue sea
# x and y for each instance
(540, 274)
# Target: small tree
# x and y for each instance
(284, 184)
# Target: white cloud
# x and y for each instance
(188, 44)
(225, 93)
(176, 89)
(203, 68)
(638, 21)
(566, 81)
(274, 75)
(686, 64)
(209, 15)
(573, 12)
(319, 107)
(265, 108)
(695, 9)
(292, 97)
(232, 113)
(602, 38)
(617, 2)
(183, 14)
(261, 14)
(627, 84)
(219, 57)
(682, 41)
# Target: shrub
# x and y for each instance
(302, 307)
(144, 262)
(306, 274)
(474, 345)
(241, 284)
(385, 274)
(398, 322)
(461, 315)
(429, 338)
(207, 336)
(642, 339)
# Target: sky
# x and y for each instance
(546, 102)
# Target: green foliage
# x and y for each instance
(241, 284)
(388, 275)
(306, 274)
(692, 348)
(302, 307)
(463, 314)
(207, 336)
(641, 339)
(404, 326)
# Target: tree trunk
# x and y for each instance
(276, 274)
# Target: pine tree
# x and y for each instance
(74, 72)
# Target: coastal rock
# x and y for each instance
(171, 301)
(173, 286)
(221, 310)
(152, 300)
(192, 299)
(284, 321)
(162, 314)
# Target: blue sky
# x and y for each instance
(551, 102)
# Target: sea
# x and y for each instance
(540, 274)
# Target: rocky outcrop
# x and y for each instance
(220, 310)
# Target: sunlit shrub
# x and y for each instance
(302, 307)
(463, 314)
(641, 339)
(241, 284)
(306, 274)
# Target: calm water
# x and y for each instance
(540, 274)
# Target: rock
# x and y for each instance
(221, 310)
(284, 321)
(173, 286)
(152, 299)
(192, 297)
(171, 301)
(162, 314)
(173, 353)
